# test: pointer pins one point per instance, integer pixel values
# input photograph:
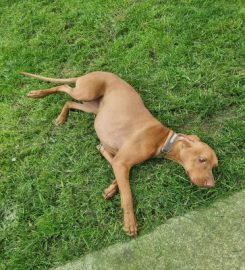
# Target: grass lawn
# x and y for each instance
(184, 58)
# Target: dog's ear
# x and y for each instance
(195, 138)
(188, 139)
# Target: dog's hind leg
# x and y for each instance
(45, 92)
(86, 107)
(89, 87)
(76, 93)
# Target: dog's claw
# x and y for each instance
(131, 230)
(105, 196)
(108, 194)
(59, 121)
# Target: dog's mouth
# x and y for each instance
(204, 183)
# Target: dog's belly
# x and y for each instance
(121, 113)
(111, 132)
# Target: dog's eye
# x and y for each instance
(202, 159)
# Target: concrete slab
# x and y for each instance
(209, 239)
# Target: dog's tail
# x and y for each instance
(47, 79)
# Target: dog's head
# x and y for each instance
(198, 160)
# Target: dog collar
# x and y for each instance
(167, 147)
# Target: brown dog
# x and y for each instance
(129, 134)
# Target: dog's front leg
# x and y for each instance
(121, 171)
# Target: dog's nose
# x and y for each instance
(209, 183)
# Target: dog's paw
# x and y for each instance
(110, 192)
(59, 120)
(100, 147)
(130, 226)
(36, 94)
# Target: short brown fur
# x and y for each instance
(128, 133)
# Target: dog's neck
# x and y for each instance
(176, 147)
(174, 154)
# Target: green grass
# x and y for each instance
(185, 59)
